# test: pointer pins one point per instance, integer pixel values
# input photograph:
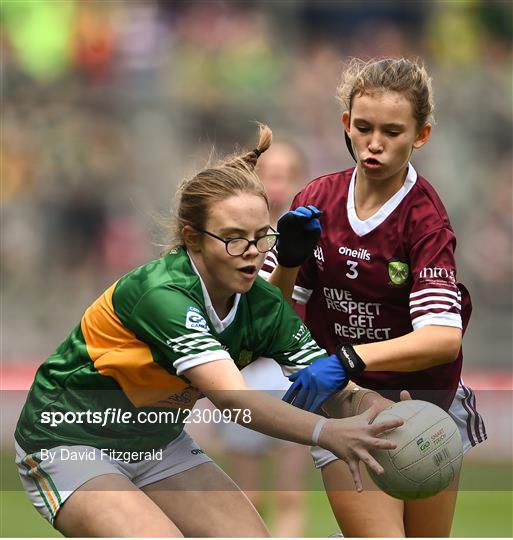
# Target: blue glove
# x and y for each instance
(300, 230)
(314, 384)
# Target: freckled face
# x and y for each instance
(383, 132)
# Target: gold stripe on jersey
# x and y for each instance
(116, 352)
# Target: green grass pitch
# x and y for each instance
(478, 513)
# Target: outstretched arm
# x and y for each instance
(426, 347)
(350, 439)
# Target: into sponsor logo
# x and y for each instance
(437, 273)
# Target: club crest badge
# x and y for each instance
(398, 272)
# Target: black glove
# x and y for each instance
(300, 230)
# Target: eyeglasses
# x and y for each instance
(239, 246)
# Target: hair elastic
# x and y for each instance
(257, 152)
(317, 430)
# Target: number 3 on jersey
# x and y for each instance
(353, 272)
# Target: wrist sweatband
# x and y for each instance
(351, 362)
(317, 430)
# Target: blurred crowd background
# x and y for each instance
(106, 106)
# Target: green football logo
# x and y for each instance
(398, 272)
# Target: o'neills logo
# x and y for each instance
(356, 253)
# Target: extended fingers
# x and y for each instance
(386, 425)
(355, 473)
(372, 463)
(384, 444)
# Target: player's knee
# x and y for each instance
(148, 526)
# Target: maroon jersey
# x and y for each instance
(381, 278)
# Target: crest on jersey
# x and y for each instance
(399, 272)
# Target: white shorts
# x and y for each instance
(464, 413)
(49, 477)
(266, 375)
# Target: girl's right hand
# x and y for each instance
(352, 440)
(300, 230)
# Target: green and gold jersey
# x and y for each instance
(132, 346)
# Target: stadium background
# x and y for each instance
(107, 105)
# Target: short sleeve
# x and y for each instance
(435, 298)
(302, 289)
(178, 327)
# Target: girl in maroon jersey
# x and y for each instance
(380, 289)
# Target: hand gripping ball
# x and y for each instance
(428, 455)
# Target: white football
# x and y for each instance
(428, 455)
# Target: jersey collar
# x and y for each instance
(219, 325)
(364, 227)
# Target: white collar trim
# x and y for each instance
(362, 228)
(219, 325)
